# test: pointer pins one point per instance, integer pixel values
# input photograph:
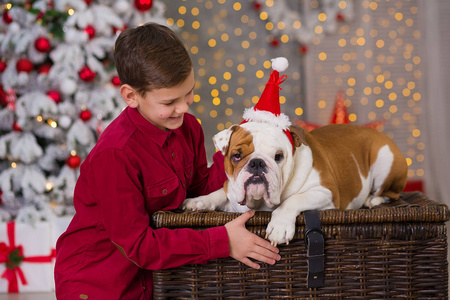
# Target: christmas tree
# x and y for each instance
(58, 91)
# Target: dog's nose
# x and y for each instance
(256, 166)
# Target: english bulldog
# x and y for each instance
(335, 166)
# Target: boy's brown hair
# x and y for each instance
(150, 57)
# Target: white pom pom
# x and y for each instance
(280, 64)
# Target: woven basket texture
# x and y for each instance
(394, 251)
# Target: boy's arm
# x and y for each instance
(118, 191)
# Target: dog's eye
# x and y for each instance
(236, 157)
(279, 157)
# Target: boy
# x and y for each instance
(149, 158)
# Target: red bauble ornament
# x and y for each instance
(44, 68)
(86, 74)
(2, 66)
(275, 42)
(73, 161)
(90, 30)
(303, 49)
(88, 2)
(24, 65)
(6, 17)
(42, 44)
(116, 81)
(85, 115)
(16, 127)
(340, 17)
(55, 95)
(143, 5)
(257, 6)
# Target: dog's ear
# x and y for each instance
(222, 139)
(298, 135)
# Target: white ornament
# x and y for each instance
(121, 6)
(14, 27)
(22, 78)
(65, 121)
(68, 86)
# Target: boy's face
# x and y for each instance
(165, 107)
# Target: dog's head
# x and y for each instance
(258, 162)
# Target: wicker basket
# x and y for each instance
(397, 250)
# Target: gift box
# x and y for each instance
(26, 254)
(397, 250)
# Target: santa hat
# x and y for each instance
(267, 110)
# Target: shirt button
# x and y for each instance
(173, 154)
(164, 191)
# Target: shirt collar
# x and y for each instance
(143, 125)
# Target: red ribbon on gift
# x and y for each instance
(12, 256)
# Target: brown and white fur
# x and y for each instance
(335, 166)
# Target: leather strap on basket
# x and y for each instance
(314, 242)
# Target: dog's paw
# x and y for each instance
(195, 204)
(280, 230)
(373, 201)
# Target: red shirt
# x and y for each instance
(134, 170)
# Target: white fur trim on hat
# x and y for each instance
(280, 64)
(252, 115)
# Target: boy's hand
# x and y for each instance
(245, 245)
